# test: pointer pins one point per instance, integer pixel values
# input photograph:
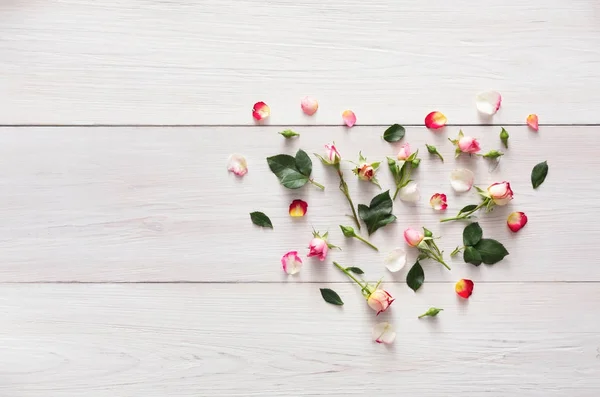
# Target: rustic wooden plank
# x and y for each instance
(157, 204)
(208, 61)
(273, 340)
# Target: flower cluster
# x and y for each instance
(293, 172)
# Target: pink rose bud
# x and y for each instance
(366, 172)
(404, 152)
(318, 247)
(413, 237)
(516, 221)
(333, 156)
(309, 105)
(468, 144)
(379, 300)
(501, 193)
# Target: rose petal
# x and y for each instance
(532, 122)
(260, 111)
(462, 180)
(435, 120)
(395, 260)
(237, 164)
(464, 288)
(384, 333)
(291, 262)
(516, 221)
(298, 208)
(410, 192)
(488, 102)
(349, 118)
(309, 105)
(438, 202)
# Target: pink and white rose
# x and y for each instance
(379, 300)
(500, 193)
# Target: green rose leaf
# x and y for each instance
(303, 163)
(472, 234)
(330, 296)
(468, 208)
(281, 162)
(432, 312)
(378, 213)
(293, 179)
(491, 251)
(415, 277)
(538, 174)
(394, 133)
(260, 219)
(287, 134)
(472, 256)
(355, 270)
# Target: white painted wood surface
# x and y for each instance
(283, 340)
(205, 308)
(208, 61)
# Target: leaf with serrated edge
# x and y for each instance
(491, 251)
(378, 213)
(303, 163)
(472, 234)
(330, 296)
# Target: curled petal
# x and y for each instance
(395, 260)
(516, 221)
(438, 202)
(462, 180)
(291, 262)
(260, 111)
(384, 333)
(237, 164)
(464, 288)
(349, 118)
(435, 120)
(488, 102)
(404, 152)
(309, 105)
(298, 208)
(410, 192)
(532, 122)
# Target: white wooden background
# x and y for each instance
(128, 264)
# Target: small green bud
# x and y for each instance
(427, 232)
(493, 154)
(348, 231)
(415, 163)
(504, 137)
(289, 134)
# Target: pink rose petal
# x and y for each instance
(395, 260)
(309, 105)
(349, 118)
(438, 202)
(291, 262)
(435, 120)
(260, 111)
(532, 122)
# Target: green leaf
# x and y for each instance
(355, 270)
(491, 251)
(472, 234)
(432, 312)
(260, 219)
(331, 296)
(378, 213)
(284, 167)
(293, 179)
(538, 174)
(467, 208)
(303, 163)
(288, 134)
(472, 256)
(415, 277)
(394, 133)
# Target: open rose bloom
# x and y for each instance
(366, 171)
(379, 300)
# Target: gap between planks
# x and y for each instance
(285, 282)
(256, 125)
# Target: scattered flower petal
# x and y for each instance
(404, 152)
(380, 300)
(384, 333)
(395, 260)
(237, 164)
(309, 105)
(438, 202)
(435, 120)
(291, 262)
(298, 208)
(488, 102)
(516, 221)
(462, 180)
(260, 111)
(464, 288)
(410, 192)
(349, 118)
(413, 237)
(532, 122)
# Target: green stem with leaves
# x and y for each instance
(347, 273)
(467, 214)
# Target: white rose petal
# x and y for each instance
(384, 333)
(488, 102)
(410, 192)
(237, 164)
(395, 260)
(462, 180)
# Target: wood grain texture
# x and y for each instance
(275, 340)
(157, 204)
(208, 61)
